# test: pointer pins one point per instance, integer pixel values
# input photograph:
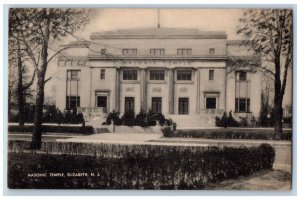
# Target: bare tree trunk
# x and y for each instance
(20, 88)
(277, 102)
(278, 119)
(39, 103)
(38, 114)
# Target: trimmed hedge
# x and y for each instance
(58, 129)
(117, 166)
(142, 119)
(263, 134)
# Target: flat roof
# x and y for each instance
(159, 33)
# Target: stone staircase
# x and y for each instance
(101, 130)
(207, 120)
(96, 122)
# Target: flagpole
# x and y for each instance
(158, 18)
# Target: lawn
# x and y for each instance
(228, 133)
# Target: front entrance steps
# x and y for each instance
(101, 130)
(96, 123)
(206, 120)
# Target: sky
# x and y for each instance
(202, 19)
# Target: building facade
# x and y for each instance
(185, 74)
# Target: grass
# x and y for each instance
(263, 180)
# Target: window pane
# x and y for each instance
(184, 51)
(211, 103)
(129, 74)
(157, 74)
(242, 104)
(156, 104)
(73, 74)
(129, 51)
(102, 74)
(72, 102)
(157, 51)
(183, 106)
(243, 76)
(211, 74)
(184, 75)
(129, 103)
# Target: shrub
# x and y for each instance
(113, 116)
(67, 117)
(141, 118)
(59, 117)
(241, 133)
(153, 117)
(231, 121)
(50, 115)
(128, 119)
(226, 121)
(244, 121)
(167, 131)
(169, 122)
(121, 166)
(53, 129)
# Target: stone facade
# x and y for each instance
(178, 72)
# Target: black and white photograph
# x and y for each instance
(150, 98)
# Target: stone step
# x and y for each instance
(101, 130)
(193, 120)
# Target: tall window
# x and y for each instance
(102, 74)
(184, 52)
(184, 75)
(211, 103)
(242, 104)
(156, 104)
(72, 102)
(129, 104)
(211, 74)
(129, 51)
(157, 51)
(73, 74)
(157, 74)
(211, 51)
(130, 74)
(183, 106)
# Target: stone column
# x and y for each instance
(198, 91)
(171, 91)
(117, 90)
(143, 89)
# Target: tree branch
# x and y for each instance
(48, 79)
(58, 52)
(28, 85)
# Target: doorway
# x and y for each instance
(102, 102)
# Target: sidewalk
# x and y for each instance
(159, 139)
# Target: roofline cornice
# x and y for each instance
(161, 58)
(220, 36)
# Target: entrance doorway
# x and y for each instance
(102, 103)
(129, 104)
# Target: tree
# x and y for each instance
(37, 29)
(270, 34)
(266, 102)
(17, 64)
